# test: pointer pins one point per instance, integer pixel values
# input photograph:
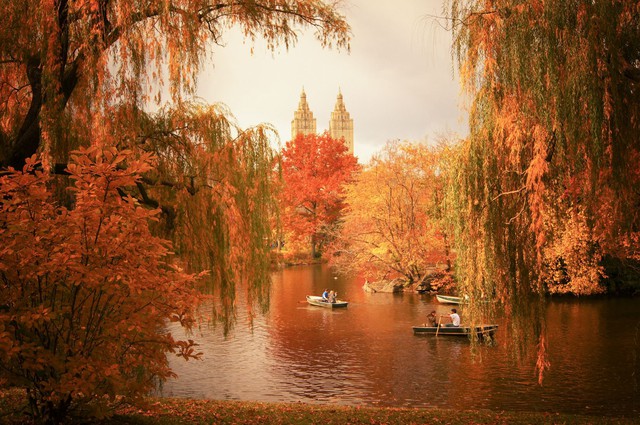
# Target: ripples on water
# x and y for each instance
(367, 354)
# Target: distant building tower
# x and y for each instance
(341, 124)
(303, 121)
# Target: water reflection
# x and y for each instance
(367, 355)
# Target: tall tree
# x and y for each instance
(393, 224)
(315, 169)
(79, 73)
(549, 178)
(551, 160)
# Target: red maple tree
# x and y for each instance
(315, 169)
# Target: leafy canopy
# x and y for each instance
(393, 223)
(315, 169)
(81, 73)
(75, 59)
(548, 176)
(78, 75)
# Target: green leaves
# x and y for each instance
(554, 124)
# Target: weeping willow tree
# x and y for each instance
(548, 179)
(78, 74)
(212, 181)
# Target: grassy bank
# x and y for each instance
(185, 411)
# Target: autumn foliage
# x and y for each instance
(88, 284)
(87, 73)
(548, 189)
(393, 224)
(550, 176)
(86, 290)
(64, 64)
(315, 169)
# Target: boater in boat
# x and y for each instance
(455, 318)
(325, 295)
(431, 319)
(317, 300)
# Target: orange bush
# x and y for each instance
(86, 291)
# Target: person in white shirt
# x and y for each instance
(455, 318)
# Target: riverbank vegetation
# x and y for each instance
(549, 170)
(315, 170)
(547, 185)
(541, 198)
(98, 193)
(393, 225)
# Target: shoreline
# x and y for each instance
(198, 411)
(173, 411)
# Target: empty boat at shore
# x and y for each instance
(449, 299)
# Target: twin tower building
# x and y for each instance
(340, 125)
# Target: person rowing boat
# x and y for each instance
(454, 317)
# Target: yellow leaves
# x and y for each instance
(550, 145)
(573, 256)
(391, 225)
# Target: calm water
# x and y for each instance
(367, 354)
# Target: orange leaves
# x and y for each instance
(64, 68)
(84, 310)
(542, 360)
(186, 350)
(315, 169)
(554, 124)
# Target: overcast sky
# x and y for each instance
(397, 82)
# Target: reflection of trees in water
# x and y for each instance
(367, 354)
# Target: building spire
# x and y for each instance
(303, 120)
(302, 105)
(341, 124)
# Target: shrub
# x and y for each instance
(86, 291)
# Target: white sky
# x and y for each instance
(397, 82)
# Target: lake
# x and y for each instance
(367, 355)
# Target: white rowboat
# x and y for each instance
(318, 301)
(449, 299)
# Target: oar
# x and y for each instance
(439, 321)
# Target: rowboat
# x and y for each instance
(315, 300)
(481, 330)
(449, 299)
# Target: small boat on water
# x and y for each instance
(449, 299)
(315, 300)
(481, 330)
